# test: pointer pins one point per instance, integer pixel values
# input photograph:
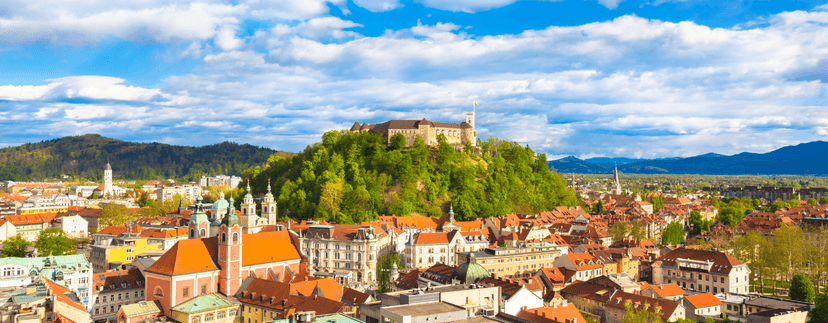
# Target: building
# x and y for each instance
(219, 180)
(473, 299)
(140, 312)
(522, 261)
(456, 134)
(437, 312)
(616, 307)
(670, 292)
(565, 313)
(43, 300)
(702, 306)
(114, 289)
(73, 271)
(73, 225)
(616, 182)
(514, 296)
(214, 307)
(55, 203)
(29, 226)
(701, 270)
(119, 251)
(742, 307)
(584, 265)
(349, 250)
(264, 300)
(188, 192)
(779, 316)
(204, 265)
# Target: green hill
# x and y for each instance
(85, 156)
(353, 177)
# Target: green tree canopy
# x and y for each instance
(14, 247)
(673, 234)
(54, 242)
(619, 231)
(819, 314)
(801, 288)
(823, 200)
(640, 314)
(812, 201)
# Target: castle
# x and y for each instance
(457, 134)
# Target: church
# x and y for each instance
(208, 225)
(106, 189)
(217, 264)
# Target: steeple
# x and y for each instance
(230, 252)
(269, 206)
(451, 213)
(231, 218)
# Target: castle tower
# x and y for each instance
(248, 211)
(107, 189)
(230, 252)
(199, 226)
(269, 206)
(470, 118)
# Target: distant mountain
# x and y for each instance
(574, 165)
(87, 155)
(802, 159)
(610, 162)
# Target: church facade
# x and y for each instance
(457, 134)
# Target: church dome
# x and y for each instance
(220, 204)
(470, 272)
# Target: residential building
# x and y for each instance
(702, 306)
(670, 292)
(114, 289)
(779, 316)
(522, 261)
(213, 307)
(140, 312)
(7, 229)
(73, 271)
(218, 180)
(186, 191)
(701, 270)
(29, 226)
(265, 300)
(120, 250)
(583, 264)
(565, 313)
(73, 225)
(54, 203)
(344, 249)
(514, 296)
(741, 307)
(43, 300)
(474, 299)
(438, 312)
(616, 307)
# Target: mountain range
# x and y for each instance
(85, 156)
(801, 159)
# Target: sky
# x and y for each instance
(588, 78)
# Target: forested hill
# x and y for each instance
(87, 155)
(352, 177)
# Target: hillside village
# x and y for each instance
(209, 262)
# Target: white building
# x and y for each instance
(73, 271)
(74, 226)
(186, 191)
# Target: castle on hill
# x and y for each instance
(457, 134)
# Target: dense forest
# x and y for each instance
(85, 157)
(351, 177)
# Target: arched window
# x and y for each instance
(235, 237)
(158, 292)
(203, 233)
(192, 233)
(223, 237)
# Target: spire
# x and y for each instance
(231, 218)
(269, 195)
(247, 189)
(451, 213)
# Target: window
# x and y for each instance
(119, 296)
(96, 300)
(97, 310)
(104, 309)
(112, 308)
(234, 312)
(136, 294)
(130, 250)
(185, 292)
(112, 298)
(221, 315)
(208, 317)
(203, 289)
(126, 295)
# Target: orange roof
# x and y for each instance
(196, 255)
(59, 292)
(577, 258)
(703, 300)
(431, 238)
(554, 314)
(117, 230)
(31, 218)
(667, 290)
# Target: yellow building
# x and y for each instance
(120, 250)
(509, 262)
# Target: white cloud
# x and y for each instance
(610, 4)
(226, 39)
(378, 5)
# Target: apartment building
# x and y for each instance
(584, 265)
(121, 250)
(510, 262)
(345, 248)
(114, 289)
(702, 270)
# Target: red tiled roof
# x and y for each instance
(431, 238)
(555, 314)
(722, 262)
(667, 290)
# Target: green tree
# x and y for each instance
(14, 247)
(113, 214)
(638, 230)
(823, 200)
(397, 141)
(642, 314)
(778, 205)
(789, 247)
(673, 234)
(801, 289)
(696, 222)
(598, 207)
(819, 314)
(54, 242)
(618, 230)
(812, 201)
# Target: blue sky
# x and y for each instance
(641, 79)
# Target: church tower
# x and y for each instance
(616, 182)
(248, 211)
(269, 206)
(199, 226)
(107, 189)
(230, 252)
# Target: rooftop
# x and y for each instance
(423, 309)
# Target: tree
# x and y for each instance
(789, 245)
(618, 231)
(801, 289)
(598, 207)
(113, 214)
(819, 314)
(54, 242)
(638, 230)
(823, 200)
(696, 222)
(812, 201)
(397, 141)
(14, 247)
(640, 314)
(673, 234)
